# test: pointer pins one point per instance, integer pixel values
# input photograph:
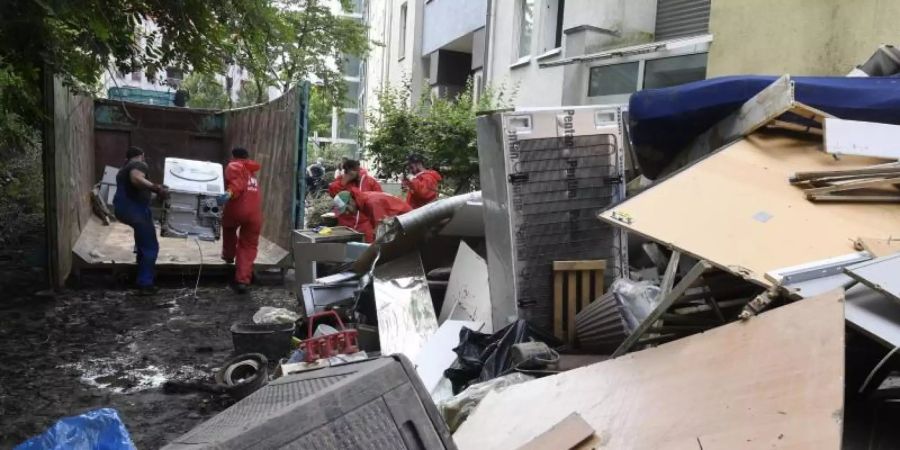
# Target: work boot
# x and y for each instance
(240, 288)
(146, 291)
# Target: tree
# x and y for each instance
(205, 92)
(319, 112)
(441, 129)
(277, 40)
(250, 94)
(310, 42)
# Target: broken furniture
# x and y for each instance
(340, 289)
(575, 285)
(311, 247)
(703, 299)
(377, 404)
(734, 386)
(873, 184)
(752, 221)
(545, 174)
(191, 207)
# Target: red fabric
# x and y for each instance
(377, 206)
(242, 219)
(423, 188)
(369, 184)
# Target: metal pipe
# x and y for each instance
(425, 216)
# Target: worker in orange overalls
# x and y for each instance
(374, 206)
(353, 178)
(421, 184)
(242, 219)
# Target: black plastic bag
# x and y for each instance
(482, 357)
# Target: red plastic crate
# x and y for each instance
(342, 342)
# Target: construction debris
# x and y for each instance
(868, 184)
(739, 380)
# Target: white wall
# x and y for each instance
(385, 65)
(632, 20)
(448, 20)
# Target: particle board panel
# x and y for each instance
(737, 210)
(880, 247)
(775, 381)
(468, 294)
(101, 245)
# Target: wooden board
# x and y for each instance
(737, 210)
(564, 435)
(101, 246)
(69, 172)
(271, 133)
(775, 381)
(853, 137)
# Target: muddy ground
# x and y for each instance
(67, 353)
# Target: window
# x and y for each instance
(136, 76)
(526, 27)
(351, 66)
(351, 100)
(174, 74)
(552, 24)
(665, 72)
(349, 126)
(402, 32)
(616, 79)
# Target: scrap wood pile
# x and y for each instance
(877, 183)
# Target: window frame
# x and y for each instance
(404, 16)
(641, 59)
(518, 56)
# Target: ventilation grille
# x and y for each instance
(681, 18)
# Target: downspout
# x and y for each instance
(488, 43)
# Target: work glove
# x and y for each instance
(224, 198)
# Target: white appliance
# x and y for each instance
(191, 208)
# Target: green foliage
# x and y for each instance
(319, 112)
(251, 93)
(441, 129)
(279, 41)
(205, 92)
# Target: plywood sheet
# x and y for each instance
(737, 210)
(406, 318)
(775, 381)
(468, 294)
(101, 245)
(880, 247)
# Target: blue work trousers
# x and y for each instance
(139, 217)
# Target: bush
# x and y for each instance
(441, 129)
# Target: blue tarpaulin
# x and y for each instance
(664, 121)
(100, 429)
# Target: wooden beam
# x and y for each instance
(579, 265)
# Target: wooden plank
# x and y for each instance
(775, 381)
(571, 304)
(879, 247)
(669, 277)
(853, 137)
(599, 281)
(752, 220)
(558, 306)
(112, 245)
(863, 199)
(585, 291)
(579, 265)
(850, 185)
(891, 168)
(564, 435)
(668, 300)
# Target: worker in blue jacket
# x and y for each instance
(132, 207)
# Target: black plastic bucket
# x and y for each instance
(270, 339)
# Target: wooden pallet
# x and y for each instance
(575, 285)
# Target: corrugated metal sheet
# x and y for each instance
(600, 326)
(679, 18)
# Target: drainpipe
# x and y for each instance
(488, 40)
